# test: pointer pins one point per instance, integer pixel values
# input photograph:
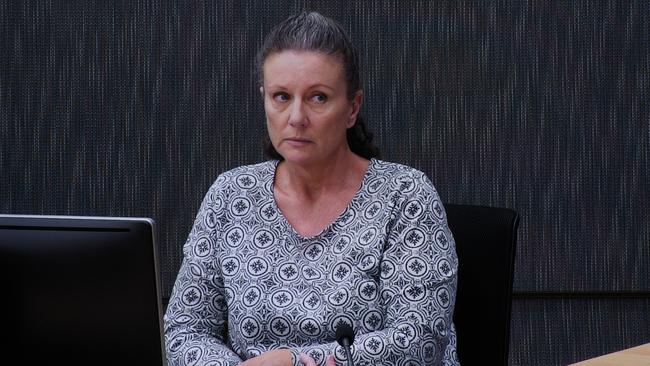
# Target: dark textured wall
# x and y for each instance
(133, 108)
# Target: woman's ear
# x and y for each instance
(261, 90)
(356, 107)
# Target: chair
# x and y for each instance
(485, 243)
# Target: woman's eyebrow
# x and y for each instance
(279, 87)
(320, 85)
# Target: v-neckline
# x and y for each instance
(329, 226)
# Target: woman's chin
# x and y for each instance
(303, 161)
(300, 158)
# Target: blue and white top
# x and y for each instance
(250, 283)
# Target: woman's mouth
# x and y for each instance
(297, 141)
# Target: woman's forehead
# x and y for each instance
(291, 67)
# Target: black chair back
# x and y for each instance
(485, 243)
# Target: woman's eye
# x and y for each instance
(280, 97)
(319, 98)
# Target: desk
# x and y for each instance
(635, 356)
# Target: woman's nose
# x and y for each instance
(297, 116)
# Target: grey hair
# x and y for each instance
(311, 31)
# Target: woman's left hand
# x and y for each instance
(276, 357)
(308, 361)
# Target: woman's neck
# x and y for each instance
(317, 180)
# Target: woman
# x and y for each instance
(283, 252)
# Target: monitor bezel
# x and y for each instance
(69, 221)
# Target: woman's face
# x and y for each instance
(306, 104)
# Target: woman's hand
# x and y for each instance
(308, 361)
(276, 357)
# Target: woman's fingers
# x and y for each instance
(308, 361)
(330, 361)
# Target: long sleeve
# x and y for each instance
(196, 317)
(417, 288)
(249, 283)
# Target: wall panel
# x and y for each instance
(564, 331)
(133, 108)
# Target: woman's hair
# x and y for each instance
(311, 31)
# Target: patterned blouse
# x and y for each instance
(250, 283)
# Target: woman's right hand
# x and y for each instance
(308, 361)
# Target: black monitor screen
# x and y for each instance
(79, 290)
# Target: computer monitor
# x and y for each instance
(79, 290)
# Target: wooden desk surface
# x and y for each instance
(635, 356)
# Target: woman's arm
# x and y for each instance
(417, 289)
(196, 317)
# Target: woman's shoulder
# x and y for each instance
(409, 188)
(401, 175)
(247, 176)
